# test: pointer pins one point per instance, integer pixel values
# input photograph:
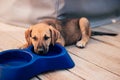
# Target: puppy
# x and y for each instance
(52, 31)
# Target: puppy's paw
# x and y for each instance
(23, 46)
(81, 44)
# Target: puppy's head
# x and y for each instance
(41, 36)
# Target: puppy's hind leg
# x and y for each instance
(85, 32)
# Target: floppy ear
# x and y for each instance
(28, 35)
(55, 34)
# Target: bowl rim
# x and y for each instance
(33, 56)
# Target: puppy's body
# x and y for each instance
(71, 29)
(64, 32)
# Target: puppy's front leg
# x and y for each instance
(85, 31)
(24, 46)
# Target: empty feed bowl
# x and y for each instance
(24, 64)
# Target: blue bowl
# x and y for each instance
(24, 64)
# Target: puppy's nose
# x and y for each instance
(41, 50)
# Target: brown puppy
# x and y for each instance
(64, 32)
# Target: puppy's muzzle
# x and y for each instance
(41, 50)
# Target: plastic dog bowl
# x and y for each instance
(24, 64)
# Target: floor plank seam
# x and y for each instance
(38, 77)
(16, 39)
(94, 64)
(105, 42)
(76, 75)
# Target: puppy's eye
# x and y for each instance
(46, 37)
(35, 38)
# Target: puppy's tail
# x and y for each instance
(95, 33)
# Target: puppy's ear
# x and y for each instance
(55, 34)
(28, 35)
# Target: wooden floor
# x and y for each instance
(100, 60)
